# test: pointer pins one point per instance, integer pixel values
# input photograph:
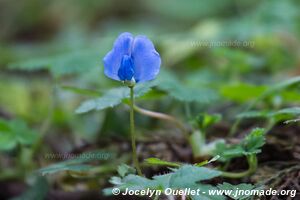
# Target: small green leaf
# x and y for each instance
(251, 144)
(156, 161)
(113, 97)
(15, 132)
(205, 120)
(254, 141)
(215, 158)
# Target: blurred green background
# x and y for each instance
(64, 42)
(50, 50)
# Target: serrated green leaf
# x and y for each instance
(134, 182)
(254, 141)
(251, 144)
(189, 174)
(163, 181)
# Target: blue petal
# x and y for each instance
(126, 72)
(145, 58)
(112, 60)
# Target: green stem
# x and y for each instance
(163, 116)
(271, 122)
(187, 110)
(132, 132)
(252, 161)
(46, 125)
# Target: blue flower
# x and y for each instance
(132, 59)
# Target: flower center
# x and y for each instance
(126, 71)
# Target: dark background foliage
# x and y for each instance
(217, 57)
